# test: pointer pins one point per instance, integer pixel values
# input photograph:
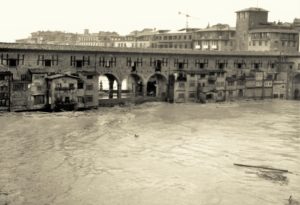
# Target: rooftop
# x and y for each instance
(273, 30)
(5, 47)
(51, 77)
(253, 9)
(218, 27)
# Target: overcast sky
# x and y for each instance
(21, 17)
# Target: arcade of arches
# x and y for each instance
(132, 85)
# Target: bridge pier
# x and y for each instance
(111, 88)
(144, 93)
(119, 92)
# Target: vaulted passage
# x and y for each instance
(157, 86)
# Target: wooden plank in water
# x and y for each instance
(260, 167)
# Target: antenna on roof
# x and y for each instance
(187, 19)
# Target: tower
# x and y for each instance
(246, 20)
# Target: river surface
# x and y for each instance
(152, 154)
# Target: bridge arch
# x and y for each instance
(296, 87)
(133, 85)
(157, 85)
(109, 86)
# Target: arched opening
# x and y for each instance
(108, 86)
(296, 87)
(132, 86)
(157, 86)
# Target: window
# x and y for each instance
(4, 102)
(272, 65)
(24, 77)
(39, 88)
(4, 88)
(192, 84)
(71, 86)
(89, 98)
(12, 62)
(191, 95)
(58, 85)
(80, 85)
(89, 87)
(181, 85)
(181, 95)
(38, 99)
(18, 86)
(230, 83)
(80, 99)
(48, 63)
(89, 77)
(79, 64)
(180, 65)
(67, 99)
(221, 66)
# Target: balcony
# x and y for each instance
(64, 88)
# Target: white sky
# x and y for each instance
(21, 17)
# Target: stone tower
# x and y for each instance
(246, 20)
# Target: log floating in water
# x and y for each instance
(260, 167)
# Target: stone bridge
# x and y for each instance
(146, 72)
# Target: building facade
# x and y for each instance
(40, 73)
(181, 39)
(218, 37)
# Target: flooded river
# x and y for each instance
(152, 154)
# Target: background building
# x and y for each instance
(181, 39)
(218, 37)
(253, 32)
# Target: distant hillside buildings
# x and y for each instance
(253, 32)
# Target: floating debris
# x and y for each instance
(293, 201)
(269, 173)
(273, 176)
(261, 167)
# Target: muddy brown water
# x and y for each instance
(154, 153)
